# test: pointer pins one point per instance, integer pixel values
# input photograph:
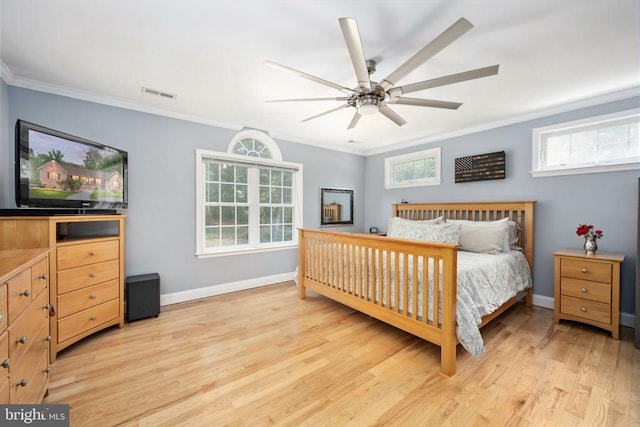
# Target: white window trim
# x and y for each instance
(201, 252)
(260, 136)
(537, 134)
(390, 161)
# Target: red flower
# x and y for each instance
(588, 230)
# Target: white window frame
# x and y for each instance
(254, 222)
(390, 162)
(257, 135)
(539, 136)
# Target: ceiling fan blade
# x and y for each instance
(447, 37)
(327, 112)
(308, 76)
(354, 121)
(392, 115)
(426, 103)
(354, 44)
(339, 98)
(446, 80)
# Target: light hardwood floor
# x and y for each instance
(263, 357)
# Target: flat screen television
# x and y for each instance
(55, 170)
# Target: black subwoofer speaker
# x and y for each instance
(142, 296)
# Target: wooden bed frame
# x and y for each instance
(346, 266)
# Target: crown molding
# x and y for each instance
(546, 112)
(9, 77)
(68, 92)
(6, 74)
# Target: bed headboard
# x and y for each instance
(521, 212)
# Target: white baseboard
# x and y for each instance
(626, 319)
(192, 294)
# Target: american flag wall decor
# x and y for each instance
(480, 167)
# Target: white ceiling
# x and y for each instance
(211, 55)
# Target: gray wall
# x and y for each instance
(607, 200)
(160, 226)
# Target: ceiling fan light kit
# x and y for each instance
(370, 97)
(368, 103)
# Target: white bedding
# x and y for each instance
(485, 282)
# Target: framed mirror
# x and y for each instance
(336, 206)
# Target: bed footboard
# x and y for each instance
(408, 284)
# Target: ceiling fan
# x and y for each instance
(369, 97)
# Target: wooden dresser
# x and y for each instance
(86, 265)
(24, 326)
(587, 288)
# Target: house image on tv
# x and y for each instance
(52, 172)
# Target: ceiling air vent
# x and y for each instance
(158, 93)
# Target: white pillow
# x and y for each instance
(513, 236)
(405, 222)
(485, 236)
(419, 230)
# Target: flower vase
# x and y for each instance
(590, 245)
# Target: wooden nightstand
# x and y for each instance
(587, 288)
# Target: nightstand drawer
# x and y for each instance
(590, 310)
(585, 289)
(586, 270)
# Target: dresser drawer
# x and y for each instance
(87, 253)
(81, 277)
(4, 389)
(586, 270)
(39, 277)
(80, 322)
(5, 362)
(25, 329)
(73, 302)
(586, 289)
(25, 366)
(4, 316)
(589, 310)
(19, 293)
(31, 389)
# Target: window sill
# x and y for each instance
(411, 184)
(229, 252)
(587, 169)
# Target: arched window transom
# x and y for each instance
(254, 143)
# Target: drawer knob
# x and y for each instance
(46, 371)
(6, 363)
(92, 253)
(43, 276)
(584, 270)
(22, 340)
(47, 338)
(26, 292)
(93, 317)
(22, 382)
(93, 296)
(584, 290)
(92, 274)
(584, 309)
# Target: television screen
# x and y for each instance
(58, 170)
